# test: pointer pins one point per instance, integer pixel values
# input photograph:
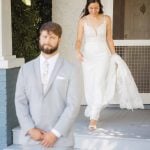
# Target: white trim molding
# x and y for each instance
(132, 42)
(7, 60)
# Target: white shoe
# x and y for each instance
(92, 127)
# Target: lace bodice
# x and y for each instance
(92, 34)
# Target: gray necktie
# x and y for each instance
(45, 74)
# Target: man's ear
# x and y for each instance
(60, 39)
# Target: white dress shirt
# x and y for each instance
(51, 63)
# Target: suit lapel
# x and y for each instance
(57, 67)
(38, 74)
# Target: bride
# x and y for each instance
(106, 76)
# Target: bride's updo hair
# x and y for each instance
(85, 10)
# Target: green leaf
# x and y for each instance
(27, 2)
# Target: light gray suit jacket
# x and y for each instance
(57, 108)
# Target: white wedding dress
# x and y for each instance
(96, 71)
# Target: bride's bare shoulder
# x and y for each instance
(107, 18)
(82, 20)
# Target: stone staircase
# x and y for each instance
(117, 130)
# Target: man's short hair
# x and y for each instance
(52, 27)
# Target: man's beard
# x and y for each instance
(48, 50)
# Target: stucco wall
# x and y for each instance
(66, 13)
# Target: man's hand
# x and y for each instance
(36, 134)
(49, 139)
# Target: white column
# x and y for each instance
(67, 14)
(108, 7)
(7, 60)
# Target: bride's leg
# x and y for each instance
(93, 124)
(94, 116)
(98, 93)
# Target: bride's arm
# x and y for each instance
(79, 39)
(109, 35)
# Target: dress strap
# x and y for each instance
(86, 20)
(104, 18)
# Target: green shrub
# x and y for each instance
(26, 21)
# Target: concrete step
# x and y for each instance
(95, 141)
(117, 130)
(18, 137)
(18, 147)
(13, 147)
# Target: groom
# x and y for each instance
(48, 95)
